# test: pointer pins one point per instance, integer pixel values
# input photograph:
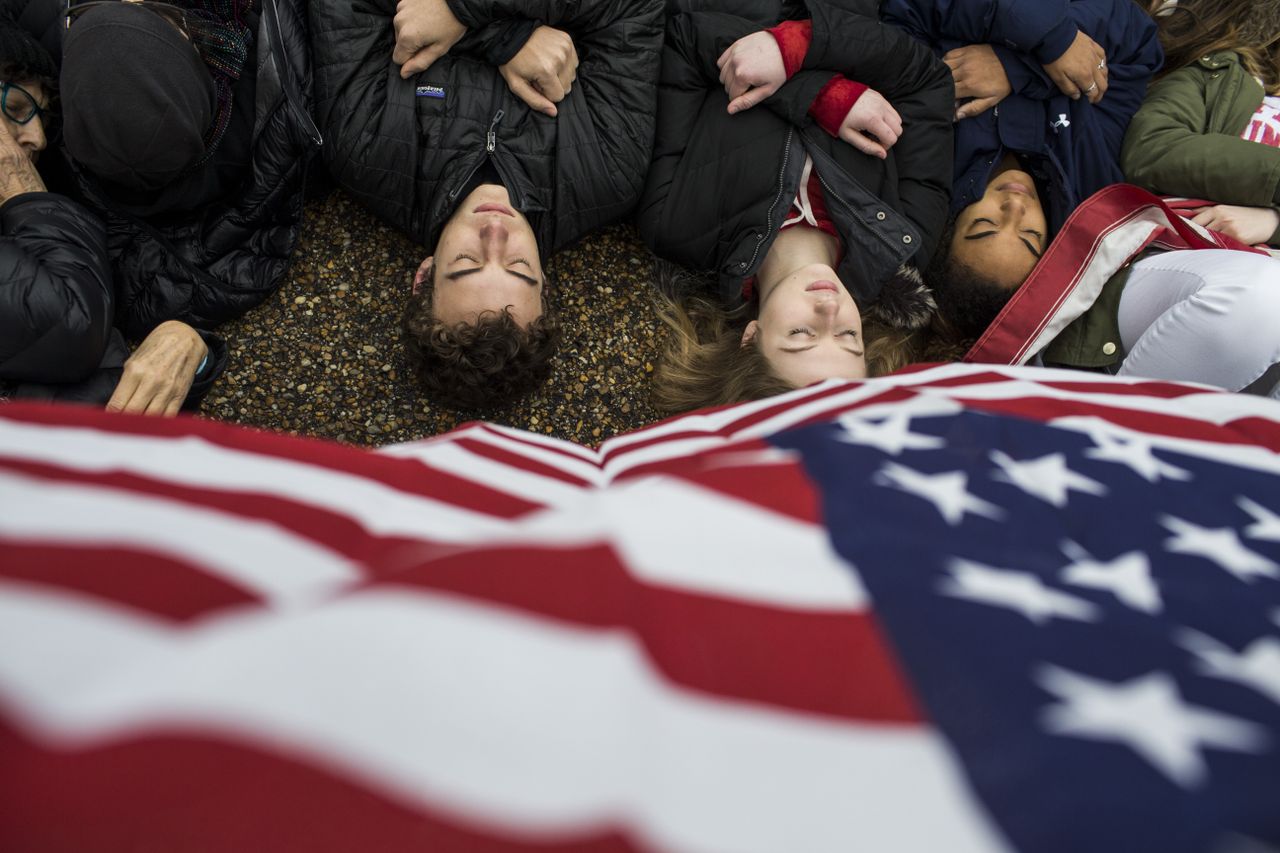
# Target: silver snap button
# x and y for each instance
(1108, 348)
(906, 238)
(880, 215)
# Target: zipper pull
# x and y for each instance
(491, 138)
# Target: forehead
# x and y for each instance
(34, 88)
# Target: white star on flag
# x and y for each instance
(1266, 524)
(1219, 545)
(891, 435)
(1135, 454)
(1020, 591)
(1047, 478)
(1127, 577)
(1256, 667)
(1147, 715)
(948, 492)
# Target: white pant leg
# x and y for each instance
(1210, 316)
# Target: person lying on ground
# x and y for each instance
(1210, 125)
(186, 129)
(57, 341)
(805, 166)
(512, 128)
(1132, 287)
(1045, 90)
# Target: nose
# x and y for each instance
(494, 232)
(31, 136)
(826, 308)
(1014, 204)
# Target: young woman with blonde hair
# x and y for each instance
(809, 198)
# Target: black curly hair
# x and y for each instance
(479, 365)
(967, 300)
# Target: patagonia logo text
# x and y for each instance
(430, 92)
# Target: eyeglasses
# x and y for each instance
(19, 105)
(172, 14)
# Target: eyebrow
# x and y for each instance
(1024, 240)
(454, 276)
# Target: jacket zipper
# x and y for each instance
(285, 70)
(491, 138)
(768, 221)
(490, 145)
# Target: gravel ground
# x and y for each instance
(323, 357)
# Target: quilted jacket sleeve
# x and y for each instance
(56, 297)
(1167, 150)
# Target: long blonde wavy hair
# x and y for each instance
(704, 362)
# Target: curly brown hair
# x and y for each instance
(479, 365)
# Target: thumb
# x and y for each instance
(862, 142)
(421, 61)
(531, 96)
(748, 100)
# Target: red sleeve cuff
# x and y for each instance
(834, 102)
(793, 39)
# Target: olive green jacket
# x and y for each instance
(1092, 341)
(1186, 138)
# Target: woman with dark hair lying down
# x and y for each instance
(57, 297)
(1032, 154)
(805, 169)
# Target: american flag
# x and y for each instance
(962, 608)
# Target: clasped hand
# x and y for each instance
(425, 30)
(752, 70)
(980, 78)
(1082, 70)
(542, 73)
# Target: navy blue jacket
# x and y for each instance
(1073, 146)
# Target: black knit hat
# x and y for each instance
(137, 99)
(21, 56)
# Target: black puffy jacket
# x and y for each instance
(56, 302)
(406, 148)
(215, 266)
(721, 185)
(57, 307)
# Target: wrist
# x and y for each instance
(793, 39)
(834, 101)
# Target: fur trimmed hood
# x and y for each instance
(905, 302)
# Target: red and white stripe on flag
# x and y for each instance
(1106, 232)
(213, 638)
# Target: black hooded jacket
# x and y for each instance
(213, 264)
(721, 185)
(407, 148)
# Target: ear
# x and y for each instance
(750, 332)
(421, 275)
